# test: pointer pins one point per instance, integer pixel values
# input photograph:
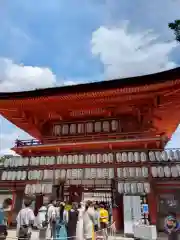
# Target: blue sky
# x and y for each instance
(60, 42)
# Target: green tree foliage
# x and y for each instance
(175, 27)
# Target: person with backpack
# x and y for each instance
(42, 221)
(25, 221)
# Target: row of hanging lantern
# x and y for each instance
(168, 155)
(133, 187)
(16, 162)
(38, 188)
(131, 157)
(13, 175)
(165, 171)
(99, 173)
(132, 172)
(89, 127)
(98, 196)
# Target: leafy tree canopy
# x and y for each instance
(175, 27)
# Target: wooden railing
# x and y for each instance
(87, 138)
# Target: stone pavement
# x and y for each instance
(12, 235)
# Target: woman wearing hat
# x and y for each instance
(172, 226)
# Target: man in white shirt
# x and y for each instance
(25, 220)
(51, 216)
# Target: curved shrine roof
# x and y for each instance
(150, 79)
(29, 110)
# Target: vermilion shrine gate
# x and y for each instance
(100, 140)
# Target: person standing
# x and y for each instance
(25, 221)
(42, 221)
(104, 217)
(61, 222)
(51, 218)
(172, 226)
(79, 227)
(97, 223)
(72, 217)
(89, 222)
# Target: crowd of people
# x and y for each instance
(59, 220)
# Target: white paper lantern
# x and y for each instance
(59, 159)
(20, 161)
(111, 173)
(160, 171)
(121, 187)
(33, 188)
(140, 188)
(110, 158)
(154, 171)
(42, 161)
(114, 125)
(70, 159)
(133, 188)
(88, 159)
(93, 173)
(174, 171)
(76, 159)
(120, 173)
(144, 172)
(105, 174)
(137, 157)
(93, 158)
(99, 158)
(124, 157)
(127, 187)
(125, 172)
(130, 156)
(97, 127)
(80, 173)
(99, 173)
(63, 174)
(49, 188)
(177, 155)
(28, 189)
(152, 156)
(167, 171)
(171, 155)
(106, 126)
(69, 173)
(81, 159)
(178, 169)
(6, 163)
(147, 188)
(43, 186)
(143, 157)
(23, 175)
(52, 160)
(138, 172)
(158, 156)
(118, 157)
(164, 156)
(132, 172)
(105, 158)
(38, 188)
(4, 175)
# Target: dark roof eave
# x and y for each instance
(97, 86)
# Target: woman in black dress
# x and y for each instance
(72, 222)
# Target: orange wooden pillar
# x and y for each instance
(152, 202)
(117, 213)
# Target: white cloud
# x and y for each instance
(7, 140)
(126, 54)
(16, 77)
